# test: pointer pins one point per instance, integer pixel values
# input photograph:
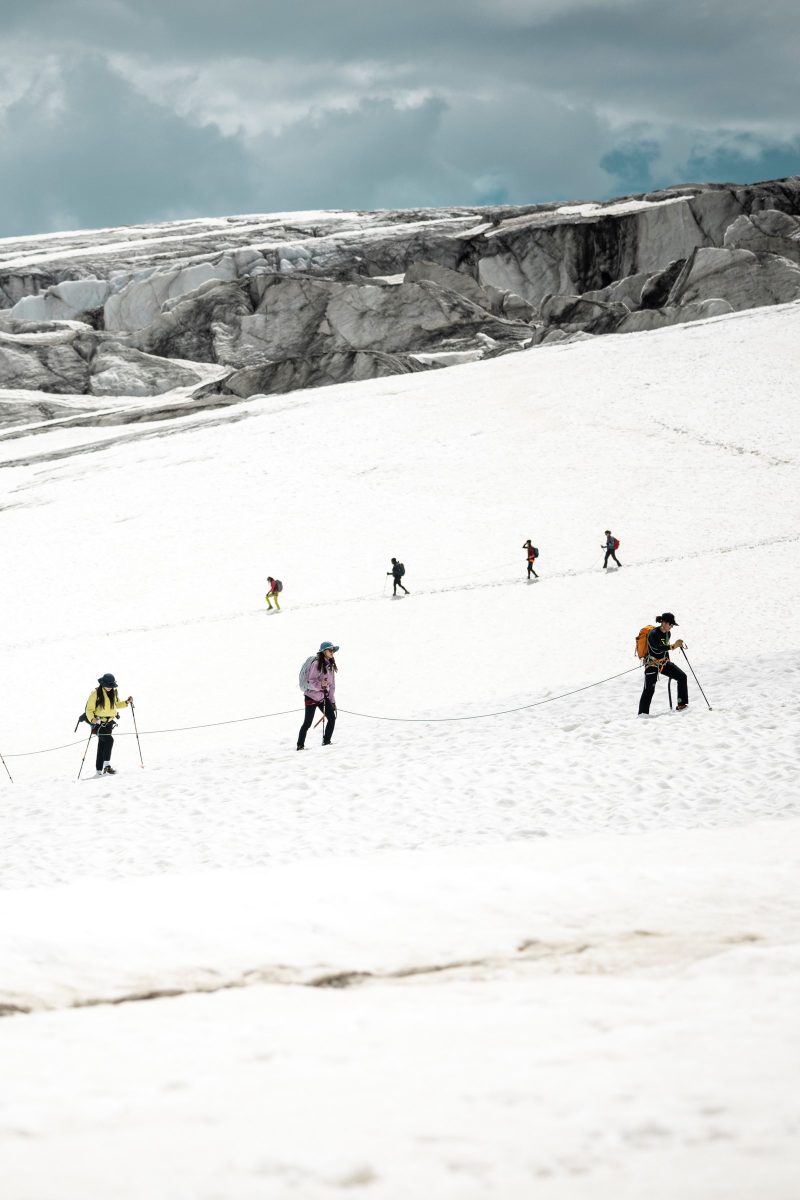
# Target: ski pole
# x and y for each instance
(697, 681)
(136, 731)
(8, 773)
(83, 760)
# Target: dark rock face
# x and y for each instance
(43, 366)
(767, 232)
(269, 304)
(655, 292)
(575, 252)
(339, 366)
(744, 279)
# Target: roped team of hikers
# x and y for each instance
(318, 673)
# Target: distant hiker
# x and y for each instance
(318, 682)
(101, 713)
(274, 591)
(655, 653)
(611, 547)
(397, 572)
(532, 554)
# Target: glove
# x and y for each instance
(130, 699)
(678, 644)
(94, 727)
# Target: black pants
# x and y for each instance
(104, 747)
(611, 554)
(530, 568)
(650, 678)
(325, 706)
(398, 583)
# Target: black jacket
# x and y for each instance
(657, 645)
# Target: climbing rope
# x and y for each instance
(364, 716)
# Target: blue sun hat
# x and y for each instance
(107, 680)
(328, 646)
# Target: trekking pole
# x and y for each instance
(8, 773)
(83, 760)
(697, 681)
(136, 731)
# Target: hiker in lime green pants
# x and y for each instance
(275, 588)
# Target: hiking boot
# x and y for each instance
(681, 707)
(107, 770)
(301, 747)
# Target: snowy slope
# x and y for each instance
(416, 844)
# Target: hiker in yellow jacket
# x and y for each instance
(101, 713)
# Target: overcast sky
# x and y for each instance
(120, 111)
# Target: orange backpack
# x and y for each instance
(641, 641)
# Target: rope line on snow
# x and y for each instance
(365, 716)
(482, 716)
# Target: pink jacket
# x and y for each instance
(316, 678)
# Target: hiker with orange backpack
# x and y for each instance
(611, 547)
(653, 647)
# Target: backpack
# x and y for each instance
(400, 570)
(304, 670)
(641, 641)
(535, 551)
(616, 543)
(278, 585)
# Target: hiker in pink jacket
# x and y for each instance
(320, 693)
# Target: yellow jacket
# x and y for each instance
(105, 711)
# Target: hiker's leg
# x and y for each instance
(680, 678)
(330, 721)
(605, 560)
(311, 708)
(650, 678)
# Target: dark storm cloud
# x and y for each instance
(106, 155)
(315, 103)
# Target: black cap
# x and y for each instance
(107, 680)
(668, 616)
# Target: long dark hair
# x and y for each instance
(101, 699)
(326, 664)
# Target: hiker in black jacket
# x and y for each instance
(657, 663)
(397, 572)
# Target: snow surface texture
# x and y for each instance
(552, 952)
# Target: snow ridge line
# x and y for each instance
(366, 716)
(530, 951)
(278, 976)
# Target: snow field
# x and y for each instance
(644, 1037)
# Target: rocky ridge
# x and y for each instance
(259, 305)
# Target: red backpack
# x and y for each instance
(616, 543)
